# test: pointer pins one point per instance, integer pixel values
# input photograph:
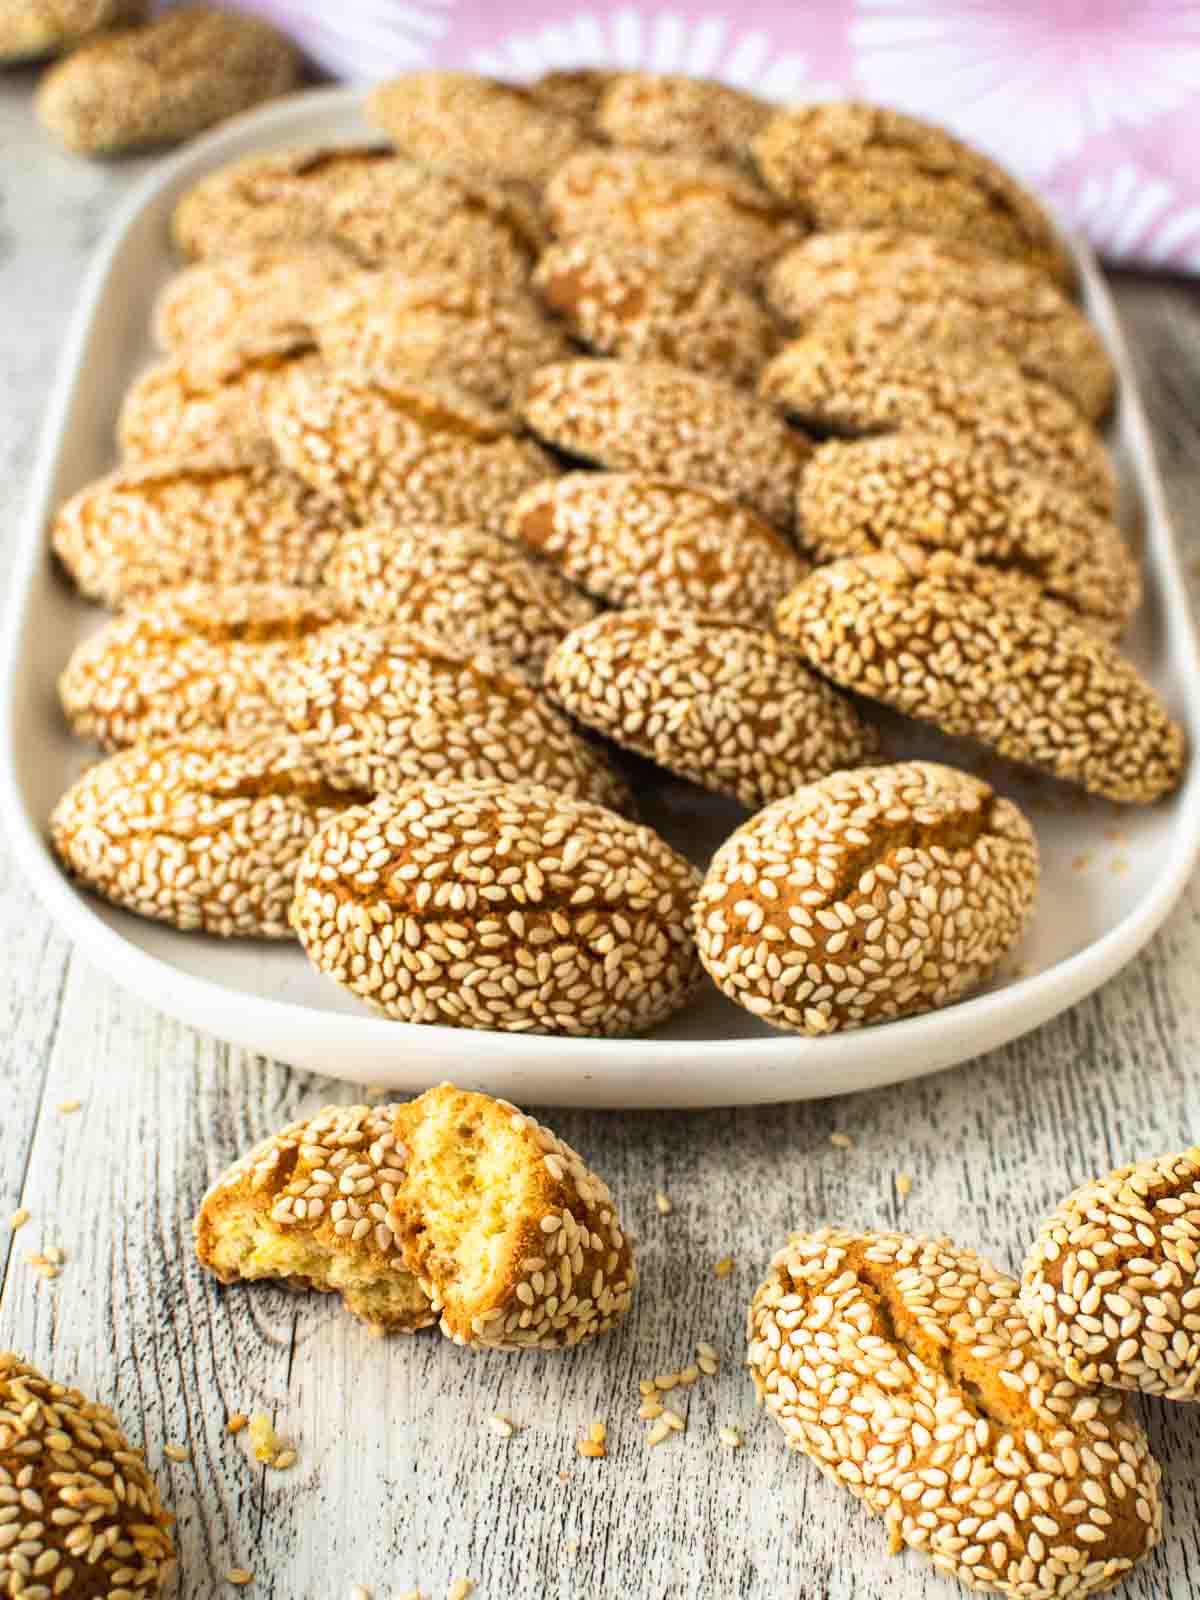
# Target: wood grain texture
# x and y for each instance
(399, 1481)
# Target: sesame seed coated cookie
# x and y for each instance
(82, 1515)
(512, 1237)
(1112, 1281)
(219, 518)
(309, 1205)
(866, 896)
(32, 28)
(203, 832)
(698, 213)
(573, 92)
(460, 120)
(690, 116)
(393, 705)
(650, 542)
(247, 295)
(933, 636)
(863, 494)
(500, 906)
(195, 658)
(829, 382)
(850, 165)
(655, 418)
(464, 584)
(904, 1368)
(392, 450)
(732, 708)
(642, 306)
(887, 284)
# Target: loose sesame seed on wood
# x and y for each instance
(247, 294)
(689, 116)
(734, 709)
(1112, 1281)
(936, 638)
(500, 906)
(904, 1367)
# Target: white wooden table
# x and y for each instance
(399, 1482)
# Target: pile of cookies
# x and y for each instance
(578, 434)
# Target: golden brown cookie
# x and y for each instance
(515, 1241)
(643, 307)
(936, 638)
(573, 92)
(867, 896)
(732, 708)
(687, 116)
(655, 418)
(904, 1368)
(1112, 1281)
(846, 164)
(641, 541)
(33, 28)
(247, 295)
(500, 906)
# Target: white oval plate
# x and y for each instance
(1110, 876)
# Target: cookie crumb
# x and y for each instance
(724, 1267)
(663, 1203)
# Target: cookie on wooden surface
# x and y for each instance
(247, 295)
(904, 1367)
(688, 116)
(32, 28)
(500, 906)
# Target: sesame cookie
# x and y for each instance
(831, 383)
(460, 120)
(500, 906)
(904, 1368)
(697, 213)
(248, 295)
(449, 329)
(466, 585)
(190, 659)
(208, 394)
(634, 540)
(511, 1236)
(887, 284)
(165, 81)
(688, 116)
(1112, 1281)
(203, 832)
(863, 494)
(309, 1206)
(867, 896)
(231, 517)
(83, 1517)
(850, 165)
(573, 92)
(32, 28)
(644, 307)
(732, 708)
(936, 638)
(390, 450)
(392, 705)
(655, 418)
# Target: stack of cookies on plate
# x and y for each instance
(571, 436)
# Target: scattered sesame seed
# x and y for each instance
(1081, 862)
(236, 1422)
(284, 1460)
(666, 1380)
(67, 1106)
(664, 1205)
(649, 1410)
(239, 1577)
(660, 1431)
(460, 1589)
(730, 1438)
(175, 1452)
(359, 1593)
(501, 1425)
(706, 1350)
(54, 1255)
(591, 1449)
(19, 1218)
(1119, 865)
(841, 1141)
(598, 1432)
(646, 1386)
(673, 1420)
(724, 1267)
(708, 1365)
(571, 1547)
(904, 1185)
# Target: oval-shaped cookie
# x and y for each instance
(247, 295)
(644, 307)
(697, 213)
(690, 116)
(883, 284)
(463, 584)
(935, 637)
(500, 906)
(830, 383)
(227, 517)
(867, 896)
(180, 73)
(732, 708)
(208, 397)
(460, 120)
(655, 418)
(202, 832)
(393, 705)
(196, 658)
(864, 494)
(448, 329)
(1112, 1281)
(635, 540)
(511, 1235)
(904, 1368)
(31, 28)
(392, 450)
(850, 165)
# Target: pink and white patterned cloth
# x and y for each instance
(1095, 102)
